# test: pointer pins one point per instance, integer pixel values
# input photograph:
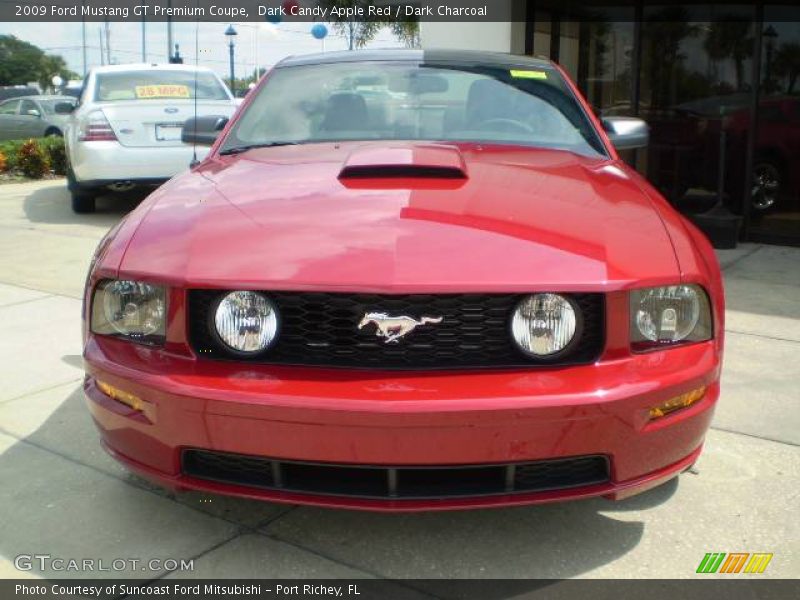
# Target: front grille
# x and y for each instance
(320, 329)
(404, 482)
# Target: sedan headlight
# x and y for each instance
(543, 325)
(669, 315)
(130, 309)
(246, 322)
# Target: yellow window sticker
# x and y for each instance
(525, 74)
(162, 91)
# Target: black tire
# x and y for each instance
(768, 186)
(83, 199)
(82, 202)
(53, 132)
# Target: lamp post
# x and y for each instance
(770, 35)
(230, 33)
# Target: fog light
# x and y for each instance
(677, 403)
(119, 395)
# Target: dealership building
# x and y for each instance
(718, 83)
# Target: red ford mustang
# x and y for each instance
(406, 280)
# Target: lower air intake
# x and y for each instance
(395, 482)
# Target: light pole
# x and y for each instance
(83, 37)
(169, 31)
(771, 35)
(230, 33)
(144, 37)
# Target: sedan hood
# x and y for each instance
(404, 218)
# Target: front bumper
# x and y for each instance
(380, 418)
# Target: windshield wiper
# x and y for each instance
(245, 148)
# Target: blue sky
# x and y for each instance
(274, 42)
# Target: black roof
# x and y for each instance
(469, 57)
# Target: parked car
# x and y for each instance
(690, 137)
(15, 91)
(126, 129)
(32, 116)
(465, 301)
(73, 88)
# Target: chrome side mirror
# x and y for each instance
(627, 133)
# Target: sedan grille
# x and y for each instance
(321, 329)
(403, 482)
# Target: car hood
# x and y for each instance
(404, 218)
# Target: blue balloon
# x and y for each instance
(274, 18)
(319, 31)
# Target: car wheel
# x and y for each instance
(82, 198)
(53, 132)
(83, 202)
(767, 186)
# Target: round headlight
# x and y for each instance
(544, 324)
(667, 313)
(246, 322)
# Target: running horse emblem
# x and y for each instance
(393, 328)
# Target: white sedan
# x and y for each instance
(126, 129)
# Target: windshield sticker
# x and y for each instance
(162, 91)
(524, 74)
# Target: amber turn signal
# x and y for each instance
(119, 395)
(677, 403)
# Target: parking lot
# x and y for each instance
(62, 495)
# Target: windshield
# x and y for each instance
(411, 101)
(158, 85)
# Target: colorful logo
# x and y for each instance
(736, 562)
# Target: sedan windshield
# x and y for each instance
(412, 101)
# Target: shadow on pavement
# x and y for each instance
(52, 205)
(70, 499)
(73, 360)
(765, 283)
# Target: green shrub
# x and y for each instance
(56, 154)
(32, 160)
(11, 150)
(52, 148)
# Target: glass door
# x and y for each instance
(774, 198)
(696, 95)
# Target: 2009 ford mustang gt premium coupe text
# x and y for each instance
(406, 280)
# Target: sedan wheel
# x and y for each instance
(766, 186)
(82, 199)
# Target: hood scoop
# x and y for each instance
(432, 161)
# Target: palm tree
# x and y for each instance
(50, 65)
(730, 37)
(359, 32)
(407, 32)
(787, 64)
(664, 32)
